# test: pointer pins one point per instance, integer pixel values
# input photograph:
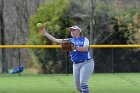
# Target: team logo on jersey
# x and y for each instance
(78, 41)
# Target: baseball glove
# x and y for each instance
(67, 45)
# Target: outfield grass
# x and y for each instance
(61, 83)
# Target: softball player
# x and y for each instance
(83, 64)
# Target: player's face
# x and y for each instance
(75, 33)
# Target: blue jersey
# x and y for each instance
(77, 55)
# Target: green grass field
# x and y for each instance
(61, 83)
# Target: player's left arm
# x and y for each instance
(85, 47)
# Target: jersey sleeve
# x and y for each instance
(86, 42)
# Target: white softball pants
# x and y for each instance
(81, 74)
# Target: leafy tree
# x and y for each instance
(116, 25)
(55, 17)
(128, 25)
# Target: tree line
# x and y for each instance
(114, 22)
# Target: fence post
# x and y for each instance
(112, 60)
(67, 64)
(19, 60)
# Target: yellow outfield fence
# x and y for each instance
(59, 46)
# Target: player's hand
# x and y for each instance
(42, 30)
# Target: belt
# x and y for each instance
(81, 61)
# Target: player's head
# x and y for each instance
(75, 31)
